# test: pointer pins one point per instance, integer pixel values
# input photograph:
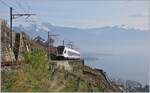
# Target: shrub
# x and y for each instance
(31, 76)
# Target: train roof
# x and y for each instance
(70, 49)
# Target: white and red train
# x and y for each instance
(67, 53)
(63, 52)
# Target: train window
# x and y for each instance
(60, 49)
(65, 52)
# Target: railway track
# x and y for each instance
(11, 63)
(7, 66)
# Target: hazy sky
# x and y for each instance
(84, 13)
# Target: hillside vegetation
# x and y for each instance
(41, 75)
(32, 76)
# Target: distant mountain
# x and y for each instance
(77, 32)
(105, 37)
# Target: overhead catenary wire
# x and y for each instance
(25, 8)
(15, 5)
(28, 6)
(20, 5)
(36, 20)
(4, 3)
(9, 6)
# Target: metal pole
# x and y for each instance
(63, 43)
(11, 27)
(49, 46)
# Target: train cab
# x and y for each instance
(64, 52)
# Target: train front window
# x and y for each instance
(60, 49)
(65, 52)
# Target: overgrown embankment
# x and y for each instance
(32, 76)
(39, 74)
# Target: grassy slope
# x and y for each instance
(37, 76)
(29, 77)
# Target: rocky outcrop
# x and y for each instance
(21, 42)
(75, 76)
(7, 53)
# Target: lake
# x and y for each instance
(128, 67)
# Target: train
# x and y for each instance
(63, 52)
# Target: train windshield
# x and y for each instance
(60, 49)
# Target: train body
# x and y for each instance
(67, 53)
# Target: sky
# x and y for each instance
(82, 13)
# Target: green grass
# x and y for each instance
(8, 79)
(33, 76)
(70, 86)
(36, 77)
